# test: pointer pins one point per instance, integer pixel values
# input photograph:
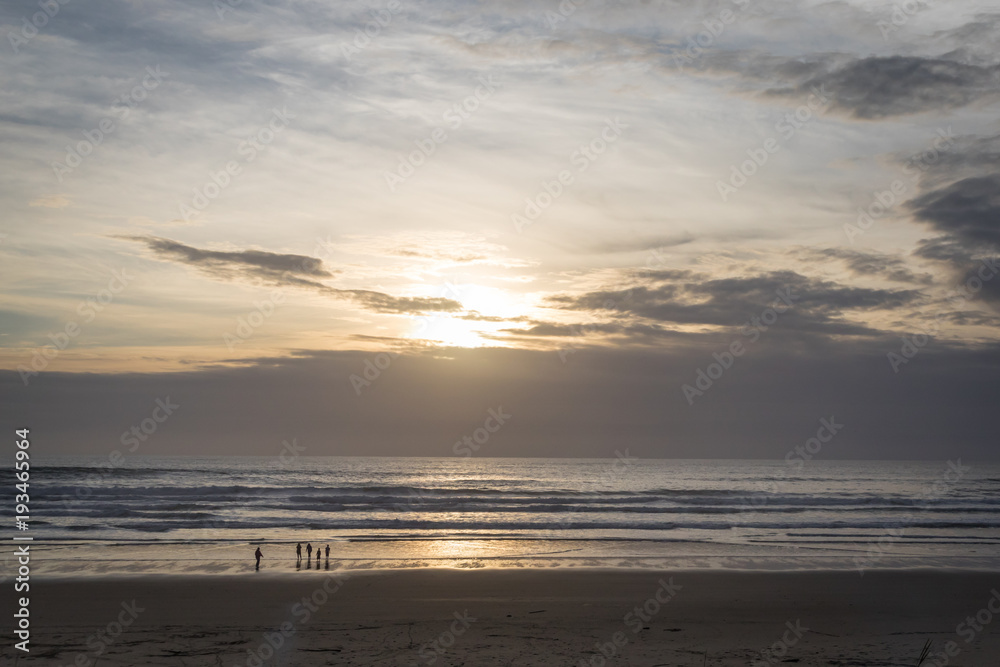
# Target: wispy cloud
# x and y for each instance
(50, 201)
(287, 270)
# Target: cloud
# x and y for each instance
(226, 264)
(432, 247)
(642, 243)
(961, 157)
(818, 305)
(973, 41)
(633, 333)
(943, 249)
(873, 264)
(967, 210)
(285, 270)
(384, 303)
(51, 201)
(879, 87)
(586, 406)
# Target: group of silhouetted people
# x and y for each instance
(298, 555)
(309, 551)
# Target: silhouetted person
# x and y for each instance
(328, 552)
(309, 551)
(258, 555)
(298, 551)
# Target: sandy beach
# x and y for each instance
(515, 617)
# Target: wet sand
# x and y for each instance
(514, 617)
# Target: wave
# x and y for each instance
(731, 505)
(258, 523)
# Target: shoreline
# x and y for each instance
(98, 559)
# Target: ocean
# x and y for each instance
(207, 515)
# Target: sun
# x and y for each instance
(486, 311)
(449, 331)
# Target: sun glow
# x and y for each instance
(449, 330)
(487, 311)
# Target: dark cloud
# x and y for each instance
(587, 403)
(634, 333)
(880, 87)
(960, 199)
(948, 158)
(227, 264)
(967, 210)
(872, 264)
(943, 249)
(288, 271)
(385, 303)
(973, 318)
(817, 304)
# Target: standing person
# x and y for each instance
(298, 552)
(258, 555)
(328, 552)
(309, 550)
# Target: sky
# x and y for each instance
(681, 229)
